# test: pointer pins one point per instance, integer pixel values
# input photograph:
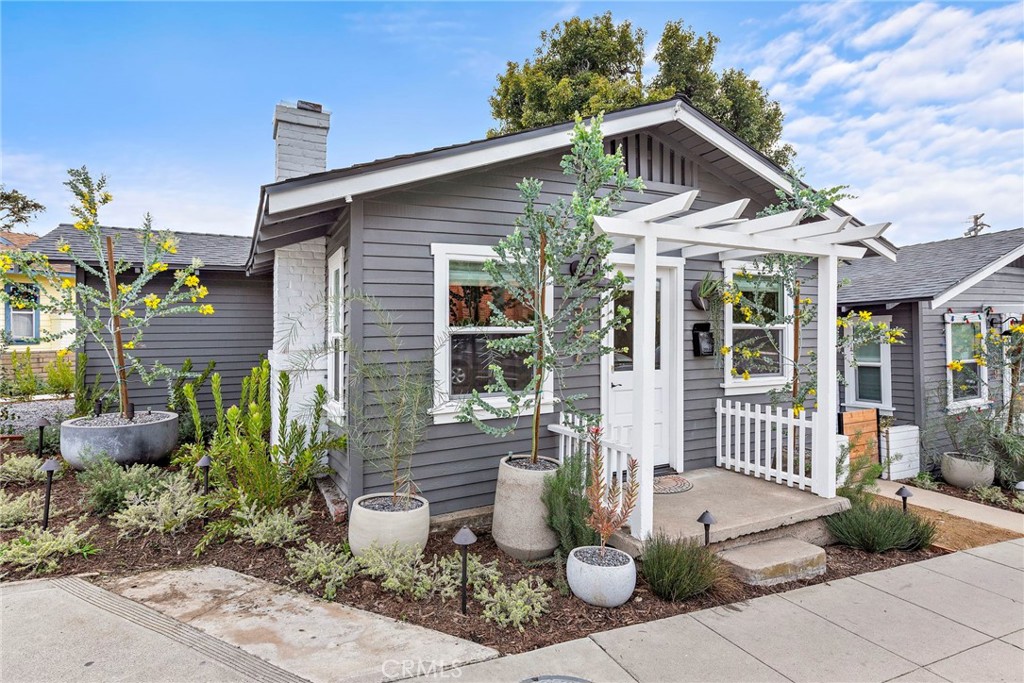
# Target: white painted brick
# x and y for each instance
(300, 141)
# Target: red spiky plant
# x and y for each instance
(605, 516)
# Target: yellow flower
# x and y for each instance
(746, 374)
(202, 291)
(955, 366)
(61, 353)
(64, 247)
(864, 315)
(6, 262)
(106, 197)
(170, 245)
(192, 281)
(124, 289)
(158, 267)
(206, 309)
(152, 300)
(724, 350)
(979, 336)
(840, 322)
(735, 372)
(812, 392)
(127, 313)
(82, 225)
(129, 345)
(745, 310)
(797, 409)
(67, 283)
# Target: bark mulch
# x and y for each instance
(957, 492)
(956, 533)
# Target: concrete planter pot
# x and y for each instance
(967, 471)
(128, 444)
(408, 528)
(520, 526)
(599, 585)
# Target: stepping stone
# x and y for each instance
(770, 562)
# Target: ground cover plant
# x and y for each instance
(16, 510)
(39, 550)
(880, 528)
(23, 469)
(165, 509)
(109, 486)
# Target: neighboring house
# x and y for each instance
(943, 294)
(236, 336)
(24, 328)
(412, 232)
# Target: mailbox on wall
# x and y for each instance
(703, 340)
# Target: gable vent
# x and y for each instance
(653, 160)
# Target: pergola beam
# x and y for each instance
(699, 219)
(679, 203)
(762, 225)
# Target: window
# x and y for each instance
(623, 338)
(966, 378)
(22, 320)
(336, 335)
(465, 298)
(758, 353)
(869, 378)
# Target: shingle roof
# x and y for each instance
(219, 252)
(923, 271)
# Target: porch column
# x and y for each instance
(825, 446)
(642, 442)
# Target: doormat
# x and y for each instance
(671, 483)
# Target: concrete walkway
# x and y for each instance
(958, 507)
(959, 617)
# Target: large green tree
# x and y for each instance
(16, 209)
(594, 65)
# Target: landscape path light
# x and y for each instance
(42, 423)
(707, 519)
(50, 466)
(464, 538)
(204, 465)
(904, 493)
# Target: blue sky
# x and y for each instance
(918, 106)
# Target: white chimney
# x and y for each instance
(300, 136)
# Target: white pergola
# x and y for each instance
(720, 231)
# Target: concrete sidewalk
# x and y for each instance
(959, 617)
(958, 507)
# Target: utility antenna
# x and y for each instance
(976, 225)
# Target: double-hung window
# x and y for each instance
(966, 375)
(869, 375)
(465, 298)
(336, 306)
(758, 354)
(22, 319)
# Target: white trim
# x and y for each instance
(884, 364)
(978, 276)
(335, 333)
(445, 408)
(761, 383)
(982, 400)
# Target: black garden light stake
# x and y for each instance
(97, 407)
(42, 423)
(707, 519)
(131, 412)
(904, 493)
(50, 466)
(204, 465)
(464, 538)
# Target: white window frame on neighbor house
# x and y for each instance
(981, 400)
(336, 307)
(736, 386)
(884, 363)
(445, 407)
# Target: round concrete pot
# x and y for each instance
(967, 471)
(408, 528)
(142, 442)
(519, 526)
(598, 585)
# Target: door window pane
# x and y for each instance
(471, 359)
(471, 293)
(869, 383)
(623, 339)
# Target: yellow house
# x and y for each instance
(24, 328)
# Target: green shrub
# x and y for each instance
(924, 480)
(992, 495)
(322, 567)
(51, 438)
(190, 430)
(40, 550)
(877, 528)
(516, 605)
(275, 528)
(167, 509)
(60, 376)
(1017, 502)
(108, 485)
(16, 510)
(86, 395)
(23, 470)
(23, 378)
(404, 571)
(678, 569)
(568, 510)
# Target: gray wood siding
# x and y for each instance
(237, 336)
(340, 237)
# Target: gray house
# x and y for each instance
(237, 336)
(943, 294)
(413, 230)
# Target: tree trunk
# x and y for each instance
(122, 376)
(538, 370)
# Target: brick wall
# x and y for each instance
(301, 141)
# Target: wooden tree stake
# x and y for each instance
(122, 377)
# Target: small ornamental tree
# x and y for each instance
(115, 313)
(534, 261)
(610, 506)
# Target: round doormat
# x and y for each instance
(671, 483)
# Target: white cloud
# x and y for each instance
(920, 110)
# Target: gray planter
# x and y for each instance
(520, 526)
(407, 528)
(599, 585)
(147, 442)
(967, 471)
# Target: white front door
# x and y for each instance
(619, 406)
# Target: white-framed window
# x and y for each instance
(967, 379)
(869, 377)
(771, 368)
(22, 323)
(463, 325)
(336, 306)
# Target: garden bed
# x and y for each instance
(965, 494)
(956, 533)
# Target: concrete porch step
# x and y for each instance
(770, 562)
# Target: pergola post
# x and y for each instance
(644, 304)
(824, 443)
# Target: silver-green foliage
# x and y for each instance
(16, 510)
(1017, 502)
(167, 509)
(322, 567)
(399, 568)
(24, 469)
(109, 486)
(271, 527)
(517, 605)
(40, 551)
(925, 480)
(992, 495)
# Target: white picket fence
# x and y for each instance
(766, 442)
(614, 451)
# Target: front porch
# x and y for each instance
(746, 510)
